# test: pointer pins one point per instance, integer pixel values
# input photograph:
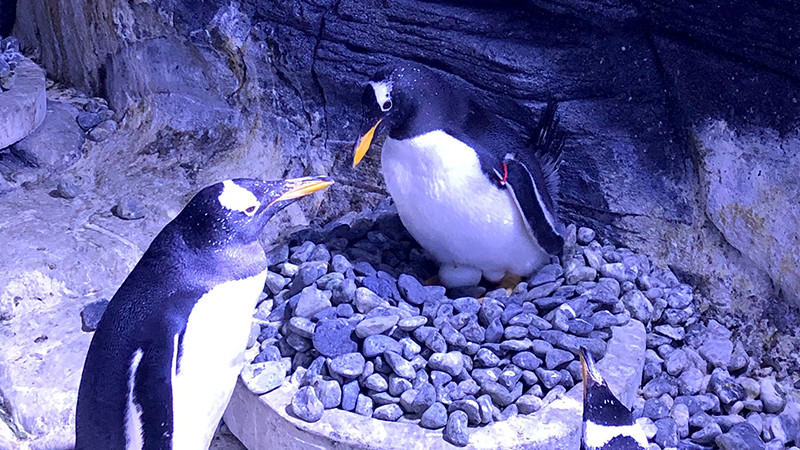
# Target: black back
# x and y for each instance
(601, 407)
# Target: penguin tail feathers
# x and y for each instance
(547, 142)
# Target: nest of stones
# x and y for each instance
(346, 316)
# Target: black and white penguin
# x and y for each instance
(164, 360)
(607, 423)
(473, 191)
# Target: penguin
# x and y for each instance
(164, 360)
(607, 423)
(473, 191)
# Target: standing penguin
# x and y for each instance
(607, 423)
(473, 191)
(164, 360)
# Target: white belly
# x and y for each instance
(453, 210)
(212, 357)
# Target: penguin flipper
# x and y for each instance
(547, 142)
(532, 199)
(153, 391)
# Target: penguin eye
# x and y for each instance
(250, 210)
(387, 105)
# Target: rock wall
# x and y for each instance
(634, 81)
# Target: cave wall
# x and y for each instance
(637, 82)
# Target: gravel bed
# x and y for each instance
(346, 316)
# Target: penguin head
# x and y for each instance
(391, 102)
(600, 405)
(236, 211)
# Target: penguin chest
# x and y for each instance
(209, 357)
(453, 209)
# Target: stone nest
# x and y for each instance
(346, 318)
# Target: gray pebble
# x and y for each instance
(302, 326)
(739, 437)
(350, 393)
(340, 264)
(306, 405)
(516, 345)
(128, 209)
(415, 293)
(375, 325)
(555, 358)
(680, 297)
(311, 301)
(400, 366)
(263, 377)
(398, 385)
(366, 300)
(329, 393)
(639, 306)
(434, 417)
(772, 396)
(67, 190)
(582, 273)
(455, 432)
(667, 434)
(676, 362)
(528, 404)
(526, 360)
(390, 412)
(376, 382)
(655, 409)
(349, 365)
(470, 407)
(499, 394)
(547, 274)
(451, 362)
(92, 313)
(717, 351)
(585, 235)
(412, 323)
(334, 338)
(364, 405)
(725, 387)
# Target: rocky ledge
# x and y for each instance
(345, 323)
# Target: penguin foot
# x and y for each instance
(433, 281)
(509, 282)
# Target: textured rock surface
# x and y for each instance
(22, 108)
(631, 87)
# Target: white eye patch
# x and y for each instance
(383, 94)
(237, 198)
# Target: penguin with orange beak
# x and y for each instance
(472, 190)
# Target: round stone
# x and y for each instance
(334, 337)
(349, 365)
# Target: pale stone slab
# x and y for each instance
(23, 107)
(263, 423)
